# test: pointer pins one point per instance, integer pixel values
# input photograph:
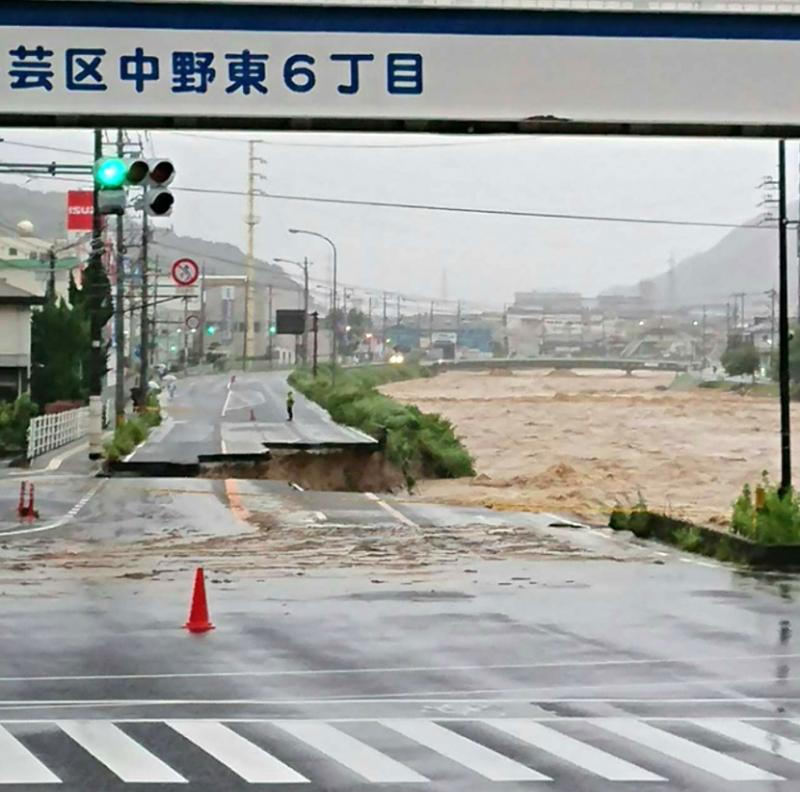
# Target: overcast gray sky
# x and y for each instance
(486, 258)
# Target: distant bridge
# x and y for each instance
(619, 364)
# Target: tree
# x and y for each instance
(741, 359)
(97, 306)
(59, 346)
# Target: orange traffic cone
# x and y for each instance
(198, 616)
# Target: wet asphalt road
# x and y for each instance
(650, 670)
(235, 414)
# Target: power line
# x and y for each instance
(489, 211)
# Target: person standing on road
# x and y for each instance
(290, 406)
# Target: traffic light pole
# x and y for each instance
(144, 332)
(96, 351)
(119, 313)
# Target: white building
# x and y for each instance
(15, 339)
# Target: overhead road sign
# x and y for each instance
(397, 68)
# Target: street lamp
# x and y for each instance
(304, 264)
(333, 311)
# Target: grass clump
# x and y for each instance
(133, 431)
(420, 444)
(764, 516)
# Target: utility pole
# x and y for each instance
(383, 322)
(250, 221)
(119, 313)
(783, 325)
(703, 361)
(269, 325)
(201, 344)
(144, 319)
(246, 318)
(95, 328)
(305, 311)
(398, 310)
(315, 327)
(152, 351)
(430, 327)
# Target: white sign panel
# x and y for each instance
(249, 61)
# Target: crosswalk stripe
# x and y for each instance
(571, 750)
(248, 761)
(121, 754)
(684, 750)
(352, 753)
(471, 755)
(752, 736)
(19, 766)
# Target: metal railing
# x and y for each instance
(47, 432)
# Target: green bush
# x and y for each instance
(420, 444)
(765, 516)
(14, 420)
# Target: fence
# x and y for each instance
(47, 432)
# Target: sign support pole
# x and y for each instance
(119, 306)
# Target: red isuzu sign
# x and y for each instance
(80, 207)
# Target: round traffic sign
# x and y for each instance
(185, 272)
(193, 321)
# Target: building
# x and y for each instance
(25, 264)
(225, 316)
(15, 339)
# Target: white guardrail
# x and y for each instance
(47, 432)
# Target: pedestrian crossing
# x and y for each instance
(342, 753)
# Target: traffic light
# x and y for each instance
(273, 329)
(112, 175)
(109, 179)
(158, 199)
(210, 330)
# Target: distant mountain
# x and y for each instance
(47, 212)
(744, 260)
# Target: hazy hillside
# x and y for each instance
(744, 260)
(47, 211)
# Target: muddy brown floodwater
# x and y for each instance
(582, 442)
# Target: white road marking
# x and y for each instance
(684, 750)
(697, 562)
(223, 446)
(750, 735)
(472, 755)
(587, 757)
(121, 754)
(227, 400)
(19, 765)
(391, 510)
(321, 516)
(56, 462)
(63, 520)
(353, 754)
(712, 662)
(247, 760)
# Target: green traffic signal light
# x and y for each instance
(272, 329)
(211, 330)
(110, 174)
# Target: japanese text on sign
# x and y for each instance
(242, 72)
